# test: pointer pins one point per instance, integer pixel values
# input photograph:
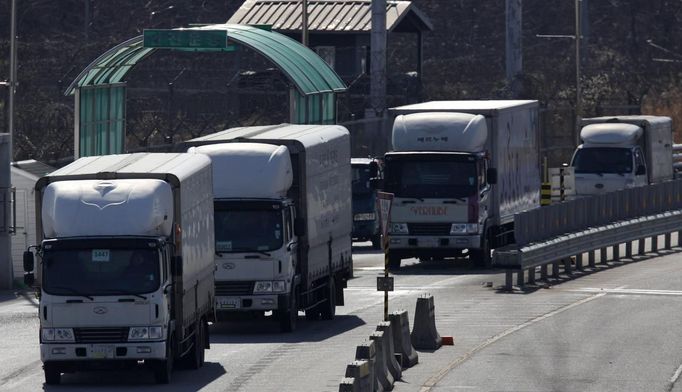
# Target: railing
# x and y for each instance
(677, 157)
(554, 233)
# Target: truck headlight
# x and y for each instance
(57, 335)
(269, 286)
(145, 333)
(463, 228)
(398, 228)
(369, 216)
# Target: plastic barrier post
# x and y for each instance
(401, 338)
(348, 384)
(424, 335)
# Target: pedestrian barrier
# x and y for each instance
(348, 384)
(391, 361)
(401, 338)
(424, 334)
(366, 351)
(359, 370)
(381, 372)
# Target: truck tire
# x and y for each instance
(393, 261)
(288, 318)
(328, 307)
(52, 374)
(481, 257)
(163, 369)
(194, 359)
(376, 241)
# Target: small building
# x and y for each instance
(24, 175)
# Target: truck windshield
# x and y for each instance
(360, 179)
(431, 179)
(248, 230)
(603, 160)
(101, 271)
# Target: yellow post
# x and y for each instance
(386, 276)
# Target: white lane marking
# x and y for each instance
(431, 382)
(675, 376)
(629, 291)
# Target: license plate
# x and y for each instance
(228, 303)
(101, 352)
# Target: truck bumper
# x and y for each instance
(248, 303)
(443, 243)
(61, 352)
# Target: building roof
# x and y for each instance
(33, 167)
(306, 70)
(330, 16)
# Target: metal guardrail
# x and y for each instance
(677, 157)
(550, 234)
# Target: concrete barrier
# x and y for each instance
(424, 335)
(401, 338)
(381, 372)
(367, 351)
(359, 371)
(391, 362)
(348, 384)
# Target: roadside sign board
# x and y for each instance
(384, 201)
(185, 39)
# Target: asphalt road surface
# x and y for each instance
(618, 328)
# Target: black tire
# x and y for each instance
(194, 358)
(288, 318)
(163, 369)
(204, 342)
(52, 374)
(481, 257)
(312, 314)
(376, 241)
(393, 262)
(328, 307)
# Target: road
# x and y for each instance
(615, 329)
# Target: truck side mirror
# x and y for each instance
(641, 170)
(29, 279)
(299, 227)
(376, 183)
(373, 169)
(491, 175)
(29, 263)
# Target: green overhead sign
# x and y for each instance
(186, 39)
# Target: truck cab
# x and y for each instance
(366, 225)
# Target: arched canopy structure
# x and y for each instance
(100, 88)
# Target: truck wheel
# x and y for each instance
(328, 307)
(393, 262)
(194, 358)
(376, 241)
(52, 374)
(481, 257)
(287, 318)
(163, 369)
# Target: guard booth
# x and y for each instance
(100, 89)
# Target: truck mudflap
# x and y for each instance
(79, 352)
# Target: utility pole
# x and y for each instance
(578, 90)
(12, 74)
(378, 59)
(514, 53)
(304, 23)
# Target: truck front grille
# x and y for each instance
(233, 288)
(101, 335)
(429, 228)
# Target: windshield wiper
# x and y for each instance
(73, 291)
(125, 292)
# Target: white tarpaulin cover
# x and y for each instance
(107, 207)
(434, 131)
(611, 133)
(248, 170)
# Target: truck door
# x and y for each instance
(641, 171)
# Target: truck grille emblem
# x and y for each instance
(100, 310)
(228, 266)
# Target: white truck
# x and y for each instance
(459, 171)
(622, 152)
(283, 219)
(126, 270)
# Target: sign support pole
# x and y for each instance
(385, 283)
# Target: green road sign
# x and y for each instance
(186, 39)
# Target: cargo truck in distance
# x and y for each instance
(126, 270)
(282, 220)
(622, 152)
(366, 225)
(459, 171)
